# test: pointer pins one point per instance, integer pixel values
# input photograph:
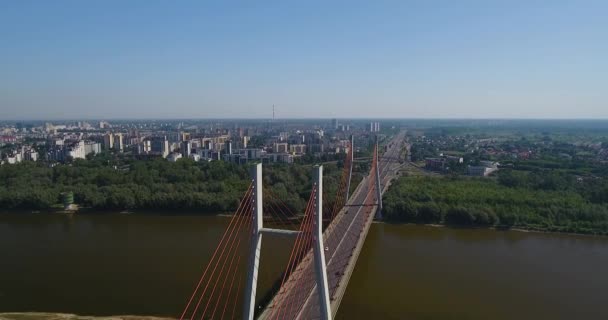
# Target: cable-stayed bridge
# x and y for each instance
(328, 240)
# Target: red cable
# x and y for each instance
(216, 265)
(230, 286)
(298, 239)
(232, 241)
(299, 275)
(215, 252)
(281, 203)
(284, 222)
(270, 214)
(340, 196)
(274, 212)
(277, 205)
(238, 293)
(304, 266)
(342, 201)
(301, 264)
(295, 249)
(236, 253)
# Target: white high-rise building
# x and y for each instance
(77, 151)
(92, 147)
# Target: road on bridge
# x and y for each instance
(344, 240)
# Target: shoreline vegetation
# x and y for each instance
(511, 200)
(494, 203)
(127, 185)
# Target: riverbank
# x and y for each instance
(495, 228)
(69, 316)
(187, 213)
(94, 211)
(476, 202)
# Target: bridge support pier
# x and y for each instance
(256, 244)
(378, 186)
(319, 249)
(350, 170)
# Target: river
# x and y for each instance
(148, 264)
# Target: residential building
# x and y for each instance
(316, 147)
(228, 147)
(104, 125)
(14, 158)
(92, 147)
(435, 164)
(76, 150)
(374, 127)
(484, 169)
(55, 154)
(280, 147)
(31, 155)
(186, 149)
(108, 141)
(119, 142)
(297, 148)
(160, 146)
(8, 139)
(278, 157)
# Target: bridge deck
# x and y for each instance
(344, 239)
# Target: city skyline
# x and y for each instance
(154, 60)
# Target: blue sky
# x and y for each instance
(347, 59)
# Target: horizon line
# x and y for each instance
(308, 118)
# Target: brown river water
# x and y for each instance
(117, 264)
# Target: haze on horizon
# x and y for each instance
(381, 59)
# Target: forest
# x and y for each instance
(549, 202)
(104, 183)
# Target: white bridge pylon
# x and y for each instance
(256, 244)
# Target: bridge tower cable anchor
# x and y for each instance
(319, 250)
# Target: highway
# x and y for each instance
(343, 241)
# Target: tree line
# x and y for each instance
(512, 200)
(107, 183)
